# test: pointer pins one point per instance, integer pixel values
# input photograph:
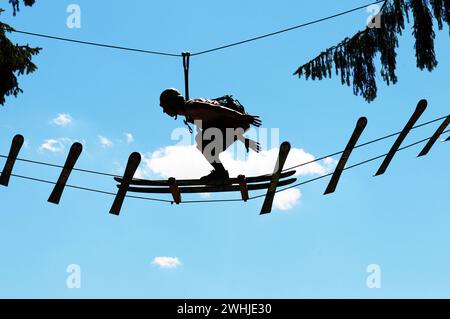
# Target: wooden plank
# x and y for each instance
(174, 190)
(359, 129)
(16, 145)
(421, 107)
(72, 157)
(205, 189)
(435, 137)
(133, 163)
(274, 183)
(243, 187)
(197, 182)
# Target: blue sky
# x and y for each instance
(320, 247)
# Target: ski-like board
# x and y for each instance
(133, 163)
(16, 145)
(359, 129)
(198, 182)
(274, 183)
(72, 157)
(206, 189)
(435, 137)
(421, 107)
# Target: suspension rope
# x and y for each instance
(222, 47)
(96, 44)
(350, 167)
(287, 169)
(287, 29)
(365, 144)
(228, 200)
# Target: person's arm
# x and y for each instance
(249, 144)
(207, 112)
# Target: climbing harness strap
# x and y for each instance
(186, 59)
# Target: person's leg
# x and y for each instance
(218, 167)
(220, 147)
(211, 142)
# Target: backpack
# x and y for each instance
(229, 102)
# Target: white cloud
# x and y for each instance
(166, 262)
(56, 145)
(62, 120)
(130, 138)
(140, 173)
(264, 163)
(105, 142)
(52, 145)
(187, 162)
(184, 162)
(330, 164)
(176, 161)
(287, 199)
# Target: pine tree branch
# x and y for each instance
(15, 60)
(354, 58)
(16, 4)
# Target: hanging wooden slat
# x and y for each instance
(282, 156)
(359, 129)
(435, 137)
(72, 157)
(421, 107)
(16, 145)
(133, 163)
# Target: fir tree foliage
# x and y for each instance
(15, 60)
(16, 4)
(354, 58)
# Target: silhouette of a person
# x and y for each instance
(212, 119)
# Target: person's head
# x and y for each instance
(172, 101)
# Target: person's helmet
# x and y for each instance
(169, 97)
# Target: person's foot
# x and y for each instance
(216, 177)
